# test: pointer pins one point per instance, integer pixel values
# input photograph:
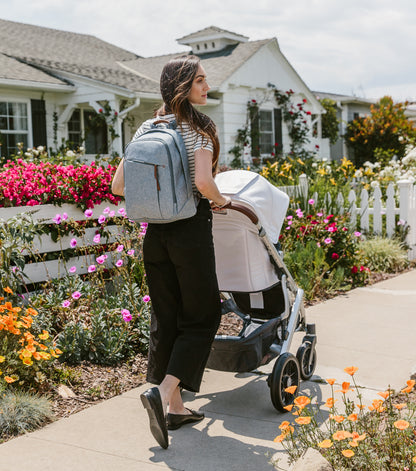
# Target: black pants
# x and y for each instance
(186, 308)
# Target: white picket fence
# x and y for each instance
(375, 210)
(57, 268)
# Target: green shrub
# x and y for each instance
(384, 255)
(23, 412)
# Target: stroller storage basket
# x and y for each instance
(244, 353)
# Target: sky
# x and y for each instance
(364, 48)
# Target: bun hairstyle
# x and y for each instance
(175, 85)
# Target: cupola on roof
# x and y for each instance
(211, 39)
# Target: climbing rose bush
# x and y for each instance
(30, 184)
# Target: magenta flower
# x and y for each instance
(101, 219)
(127, 317)
(73, 269)
(88, 213)
(319, 215)
(66, 303)
(328, 240)
(64, 216)
(146, 298)
(106, 210)
(100, 260)
(130, 252)
(57, 219)
(289, 217)
(357, 234)
(311, 201)
(97, 238)
(120, 248)
(144, 225)
(331, 229)
(73, 243)
(119, 263)
(76, 295)
(92, 268)
(335, 256)
(121, 211)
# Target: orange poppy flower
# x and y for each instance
(340, 435)
(401, 424)
(284, 425)
(27, 361)
(414, 459)
(330, 381)
(360, 406)
(352, 417)
(8, 379)
(280, 438)
(410, 384)
(31, 311)
(330, 402)
(44, 335)
(291, 389)
(400, 406)
(288, 408)
(8, 290)
(353, 443)
(384, 394)
(59, 352)
(325, 444)
(337, 418)
(351, 370)
(37, 356)
(348, 453)
(302, 401)
(345, 388)
(303, 420)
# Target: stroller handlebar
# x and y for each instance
(241, 209)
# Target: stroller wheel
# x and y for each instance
(306, 356)
(285, 373)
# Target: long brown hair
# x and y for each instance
(175, 85)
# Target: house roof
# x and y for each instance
(210, 31)
(58, 50)
(13, 69)
(345, 98)
(219, 65)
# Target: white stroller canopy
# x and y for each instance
(242, 261)
(268, 202)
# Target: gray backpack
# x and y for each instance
(157, 182)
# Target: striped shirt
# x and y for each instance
(192, 139)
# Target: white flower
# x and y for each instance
(28, 154)
(358, 173)
(314, 165)
(81, 149)
(41, 148)
(374, 184)
(69, 153)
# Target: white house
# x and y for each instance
(53, 83)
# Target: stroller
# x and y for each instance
(256, 286)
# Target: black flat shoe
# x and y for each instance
(153, 404)
(176, 421)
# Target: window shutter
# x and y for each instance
(278, 134)
(38, 123)
(254, 131)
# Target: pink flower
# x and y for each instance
(73, 269)
(57, 219)
(127, 317)
(111, 214)
(64, 216)
(73, 243)
(106, 210)
(101, 219)
(354, 270)
(121, 211)
(76, 295)
(130, 252)
(331, 229)
(144, 225)
(120, 248)
(88, 213)
(66, 303)
(311, 201)
(97, 238)
(328, 240)
(357, 234)
(100, 260)
(146, 298)
(319, 215)
(335, 256)
(119, 263)
(92, 268)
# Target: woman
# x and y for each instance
(179, 259)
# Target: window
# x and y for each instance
(88, 128)
(266, 131)
(213, 45)
(14, 127)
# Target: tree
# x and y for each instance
(385, 132)
(330, 122)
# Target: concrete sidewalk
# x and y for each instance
(372, 328)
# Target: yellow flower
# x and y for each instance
(348, 453)
(27, 361)
(2, 359)
(26, 354)
(321, 171)
(44, 335)
(325, 444)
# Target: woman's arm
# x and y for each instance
(204, 180)
(117, 185)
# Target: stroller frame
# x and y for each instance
(288, 368)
